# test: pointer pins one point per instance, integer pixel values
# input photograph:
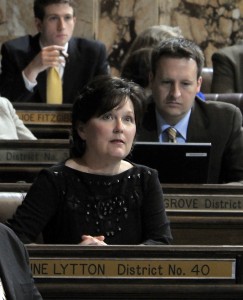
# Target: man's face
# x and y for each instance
(57, 26)
(174, 87)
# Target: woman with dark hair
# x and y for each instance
(97, 197)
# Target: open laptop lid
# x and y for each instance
(175, 163)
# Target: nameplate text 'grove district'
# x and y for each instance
(207, 203)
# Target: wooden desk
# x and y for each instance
(21, 160)
(46, 120)
(18, 187)
(138, 272)
(192, 226)
(205, 214)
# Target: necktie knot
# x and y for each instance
(171, 132)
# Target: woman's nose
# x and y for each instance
(118, 125)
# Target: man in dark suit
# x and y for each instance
(228, 69)
(175, 79)
(26, 60)
(16, 281)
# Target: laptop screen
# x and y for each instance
(175, 163)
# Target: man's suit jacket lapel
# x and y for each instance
(41, 87)
(70, 71)
(197, 126)
(149, 131)
(73, 72)
(198, 123)
(41, 78)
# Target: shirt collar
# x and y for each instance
(181, 126)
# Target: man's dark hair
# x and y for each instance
(178, 48)
(40, 5)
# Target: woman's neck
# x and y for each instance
(98, 166)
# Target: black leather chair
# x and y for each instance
(207, 76)
(9, 201)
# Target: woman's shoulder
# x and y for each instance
(143, 169)
(57, 175)
(57, 167)
(56, 170)
(135, 170)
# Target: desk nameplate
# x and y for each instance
(45, 117)
(203, 203)
(28, 155)
(146, 268)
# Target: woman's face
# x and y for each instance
(111, 135)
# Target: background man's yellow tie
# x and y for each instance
(171, 132)
(54, 87)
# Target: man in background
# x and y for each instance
(228, 69)
(27, 60)
(175, 79)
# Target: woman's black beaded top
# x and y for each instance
(126, 208)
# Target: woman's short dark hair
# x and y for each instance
(101, 95)
(40, 5)
(178, 48)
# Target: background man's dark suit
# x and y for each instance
(228, 70)
(14, 268)
(210, 122)
(87, 58)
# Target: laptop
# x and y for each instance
(175, 163)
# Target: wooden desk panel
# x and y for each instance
(214, 227)
(46, 120)
(22, 160)
(45, 114)
(225, 261)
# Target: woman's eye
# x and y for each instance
(129, 119)
(107, 117)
